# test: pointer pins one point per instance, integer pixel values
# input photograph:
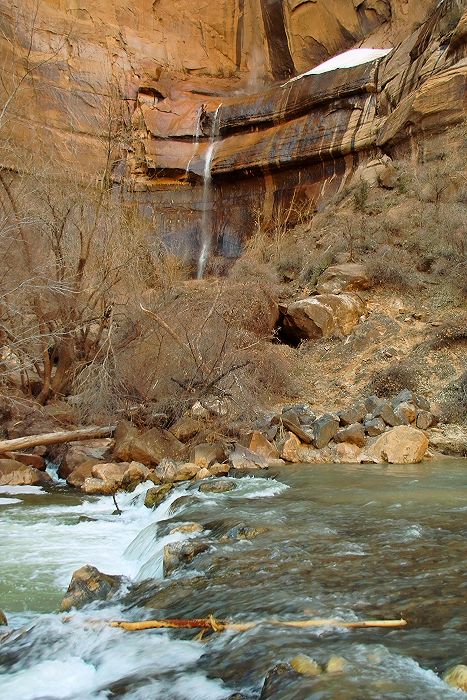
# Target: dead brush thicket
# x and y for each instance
(208, 342)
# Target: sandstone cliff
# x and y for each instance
(91, 83)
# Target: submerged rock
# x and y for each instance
(306, 666)
(187, 528)
(3, 620)
(87, 585)
(276, 679)
(156, 495)
(178, 554)
(219, 486)
(336, 664)
(456, 677)
(243, 532)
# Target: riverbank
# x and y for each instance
(347, 541)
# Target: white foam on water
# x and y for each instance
(18, 490)
(347, 59)
(58, 539)
(9, 501)
(75, 661)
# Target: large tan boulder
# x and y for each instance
(347, 277)
(297, 452)
(348, 453)
(81, 452)
(13, 473)
(323, 315)
(261, 445)
(149, 448)
(33, 460)
(450, 439)
(99, 487)
(82, 472)
(110, 471)
(400, 445)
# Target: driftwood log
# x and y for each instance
(210, 623)
(24, 443)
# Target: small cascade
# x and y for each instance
(206, 221)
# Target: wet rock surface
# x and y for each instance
(156, 495)
(179, 554)
(88, 584)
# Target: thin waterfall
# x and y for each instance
(196, 141)
(206, 220)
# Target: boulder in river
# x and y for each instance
(218, 486)
(3, 620)
(306, 666)
(78, 453)
(156, 495)
(82, 472)
(87, 585)
(400, 445)
(456, 677)
(260, 445)
(178, 554)
(276, 680)
(13, 473)
(243, 532)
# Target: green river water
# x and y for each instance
(353, 542)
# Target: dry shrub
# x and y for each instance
(453, 403)
(450, 333)
(203, 341)
(390, 381)
(390, 268)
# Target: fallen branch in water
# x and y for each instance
(25, 443)
(210, 623)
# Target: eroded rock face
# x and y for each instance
(165, 68)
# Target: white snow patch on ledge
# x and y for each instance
(348, 59)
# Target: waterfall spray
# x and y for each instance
(206, 221)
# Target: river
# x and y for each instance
(352, 542)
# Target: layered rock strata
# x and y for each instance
(141, 85)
